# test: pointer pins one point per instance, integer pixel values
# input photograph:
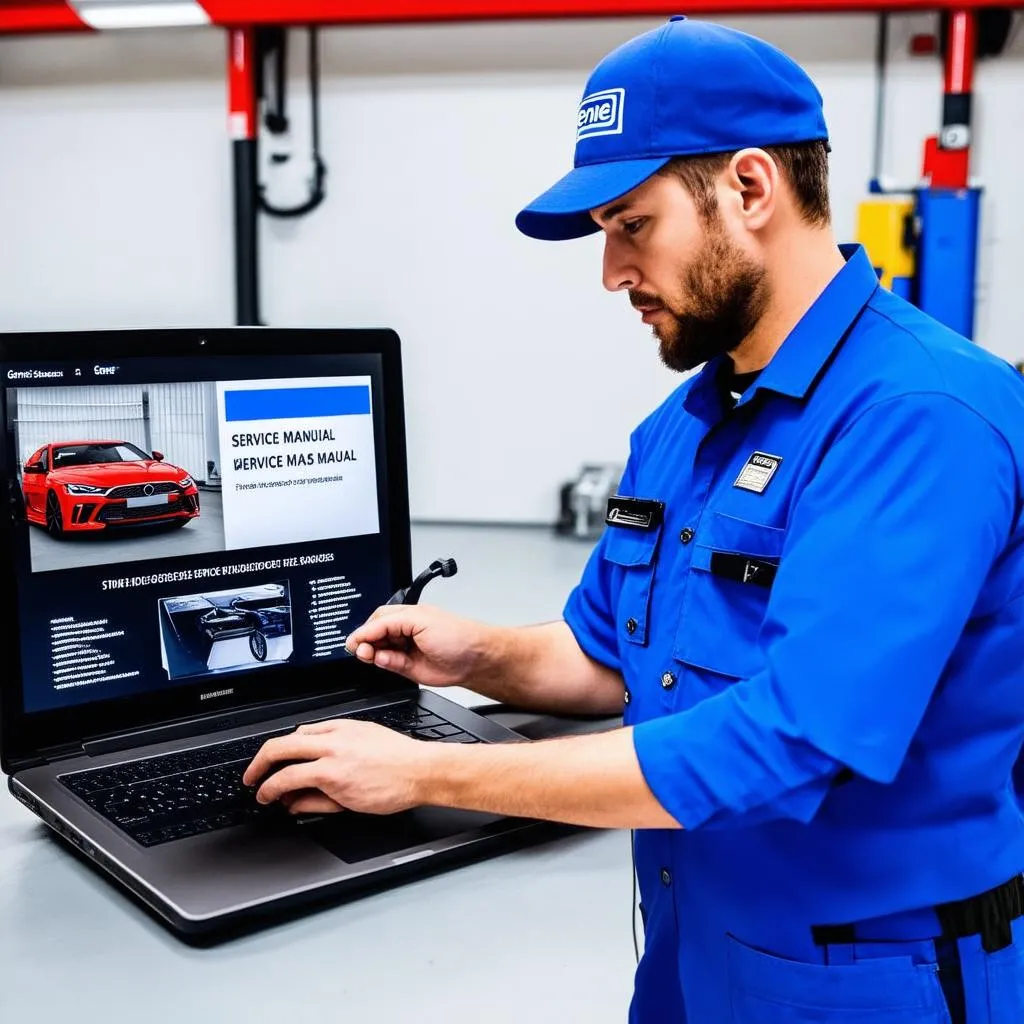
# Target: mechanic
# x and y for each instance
(808, 600)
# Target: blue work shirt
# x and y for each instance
(822, 641)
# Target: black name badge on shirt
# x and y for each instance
(757, 474)
(634, 513)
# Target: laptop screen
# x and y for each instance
(193, 521)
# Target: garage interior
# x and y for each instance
(214, 163)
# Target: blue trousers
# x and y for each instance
(720, 979)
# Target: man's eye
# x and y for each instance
(631, 227)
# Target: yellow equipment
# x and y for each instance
(885, 229)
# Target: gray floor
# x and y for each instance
(542, 935)
(511, 576)
(205, 533)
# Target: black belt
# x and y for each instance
(989, 914)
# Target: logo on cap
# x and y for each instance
(600, 113)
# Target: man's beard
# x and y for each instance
(726, 295)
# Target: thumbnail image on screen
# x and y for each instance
(226, 629)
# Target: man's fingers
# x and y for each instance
(289, 779)
(368, 652)
(311, 803)
(319, 728)
(389, 611)
(365, 652)
(385, 610)
(393, 623)
(394, 661)
(293, 747)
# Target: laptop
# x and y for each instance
(195, 522)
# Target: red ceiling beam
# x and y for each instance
(40, 16)
(225, 12)
(60, 15)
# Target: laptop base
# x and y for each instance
(236, 877)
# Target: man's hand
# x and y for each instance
(349, 765)
(422, 643)
(530, 667)
(586, 780)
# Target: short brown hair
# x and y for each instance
(803, 164)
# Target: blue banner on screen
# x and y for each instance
(296, 403)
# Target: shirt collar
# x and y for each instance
(801, 357)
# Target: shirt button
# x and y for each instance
(631, 625)
(666, 878)
(686, 535)
(668, 680)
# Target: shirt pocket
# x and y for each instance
(726, 596)
(767, 989)
(634, 553)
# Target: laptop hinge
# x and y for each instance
(60, 752)
(197, 726)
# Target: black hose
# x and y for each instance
(279, 124)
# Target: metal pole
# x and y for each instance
(881, 63)
(242, 125)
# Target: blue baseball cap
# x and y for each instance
(684, 89)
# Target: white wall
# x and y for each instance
(116, 211)
(177, 421)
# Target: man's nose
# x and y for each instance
(616, 272)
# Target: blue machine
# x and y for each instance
(924, 247)
(946, 255)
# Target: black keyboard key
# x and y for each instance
(447, 730)
(427, 734)
(429, 722)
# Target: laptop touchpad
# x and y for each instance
(356, 837)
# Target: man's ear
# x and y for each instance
(752, 181)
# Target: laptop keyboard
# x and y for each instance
(159, 799)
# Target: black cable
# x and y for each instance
(316, 192)
(276, 119)
(632, 860)
(314, 88)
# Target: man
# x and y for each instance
(809, 599)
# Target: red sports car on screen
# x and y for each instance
(81, 486)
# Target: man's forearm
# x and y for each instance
(543, 668)
(590, 780)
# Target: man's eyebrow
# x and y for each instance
(614, 211)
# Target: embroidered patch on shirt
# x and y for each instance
(758, 472)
